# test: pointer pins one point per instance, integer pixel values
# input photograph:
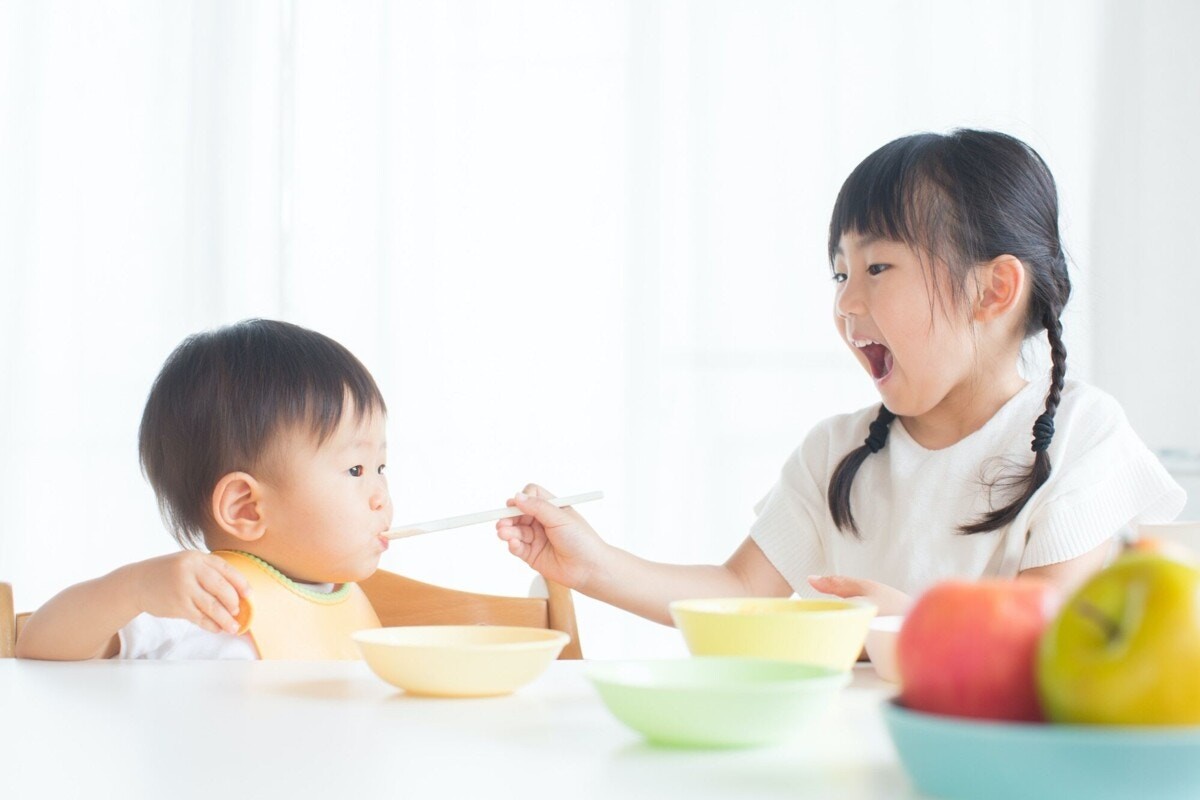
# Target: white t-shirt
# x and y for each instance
(909, 501)
(150, 637)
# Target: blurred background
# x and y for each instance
(579, 243)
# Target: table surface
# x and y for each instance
(217, 729)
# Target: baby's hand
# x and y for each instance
(199, 587)
(888, 600)
(557, 542)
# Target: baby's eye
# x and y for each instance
(382, 468)
(875, 269)
(356, 471)
(838, 277)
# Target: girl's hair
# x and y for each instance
(962, 199)
(223, 396)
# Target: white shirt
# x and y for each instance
(908, 501)
(150, 637)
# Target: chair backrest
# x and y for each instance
(403, 601)
(8, 622)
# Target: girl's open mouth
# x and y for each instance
(880, 359)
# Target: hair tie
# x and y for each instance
(1043, 432)
(879, 434)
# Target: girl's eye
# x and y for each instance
(875, 269)
(382, 468)
(356, 471)
(838, 277)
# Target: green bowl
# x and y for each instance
(715, 702)
(979, 760)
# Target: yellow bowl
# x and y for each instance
(459, 660)
(827, 633)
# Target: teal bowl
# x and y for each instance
(954, 757)
(715, 701)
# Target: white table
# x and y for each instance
(219, 730)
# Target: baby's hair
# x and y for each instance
(221, 398)
(963, 199)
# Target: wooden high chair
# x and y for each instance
(401, 601)
(9, 622)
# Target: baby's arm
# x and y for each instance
(82, 622)
(560, 544)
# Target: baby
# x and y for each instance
(265, 445)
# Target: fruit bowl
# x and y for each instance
(459, 660)
(826, 633)
(715, 702)
(979, 760)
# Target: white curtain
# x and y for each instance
(578, 243)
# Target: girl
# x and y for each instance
(945, 256)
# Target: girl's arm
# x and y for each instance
(560, 544)
(647, 587)
(887, 600)
(82, 622)
(1068, 575)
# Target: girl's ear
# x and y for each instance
(1001, 287)
(237, 506)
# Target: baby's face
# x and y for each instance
(327, 506)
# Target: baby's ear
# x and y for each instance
(236, 502)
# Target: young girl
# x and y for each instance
(945, 256)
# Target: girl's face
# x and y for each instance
(330, 504)
(906, 333)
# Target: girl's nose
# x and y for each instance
(849, 301)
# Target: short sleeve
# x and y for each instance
(786, 528)
(1108, 480)
(150, 637)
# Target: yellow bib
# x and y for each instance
(286, 620)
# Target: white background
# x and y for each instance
(578, 243)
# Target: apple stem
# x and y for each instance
(1111, 629)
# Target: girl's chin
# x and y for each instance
(899, 402)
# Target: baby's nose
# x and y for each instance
(380, 500)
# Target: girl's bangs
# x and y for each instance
(890, 195)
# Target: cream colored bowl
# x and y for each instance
(827, 633)
(460, 660)
(881, 646)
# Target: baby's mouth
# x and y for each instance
(878, 356)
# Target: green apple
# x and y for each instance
(1125, 650)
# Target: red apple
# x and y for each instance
(969, 649)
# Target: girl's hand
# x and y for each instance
(888, 600)
(199, 587)
(557, 542)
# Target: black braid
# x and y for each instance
(843, 476)
(1043, 433)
